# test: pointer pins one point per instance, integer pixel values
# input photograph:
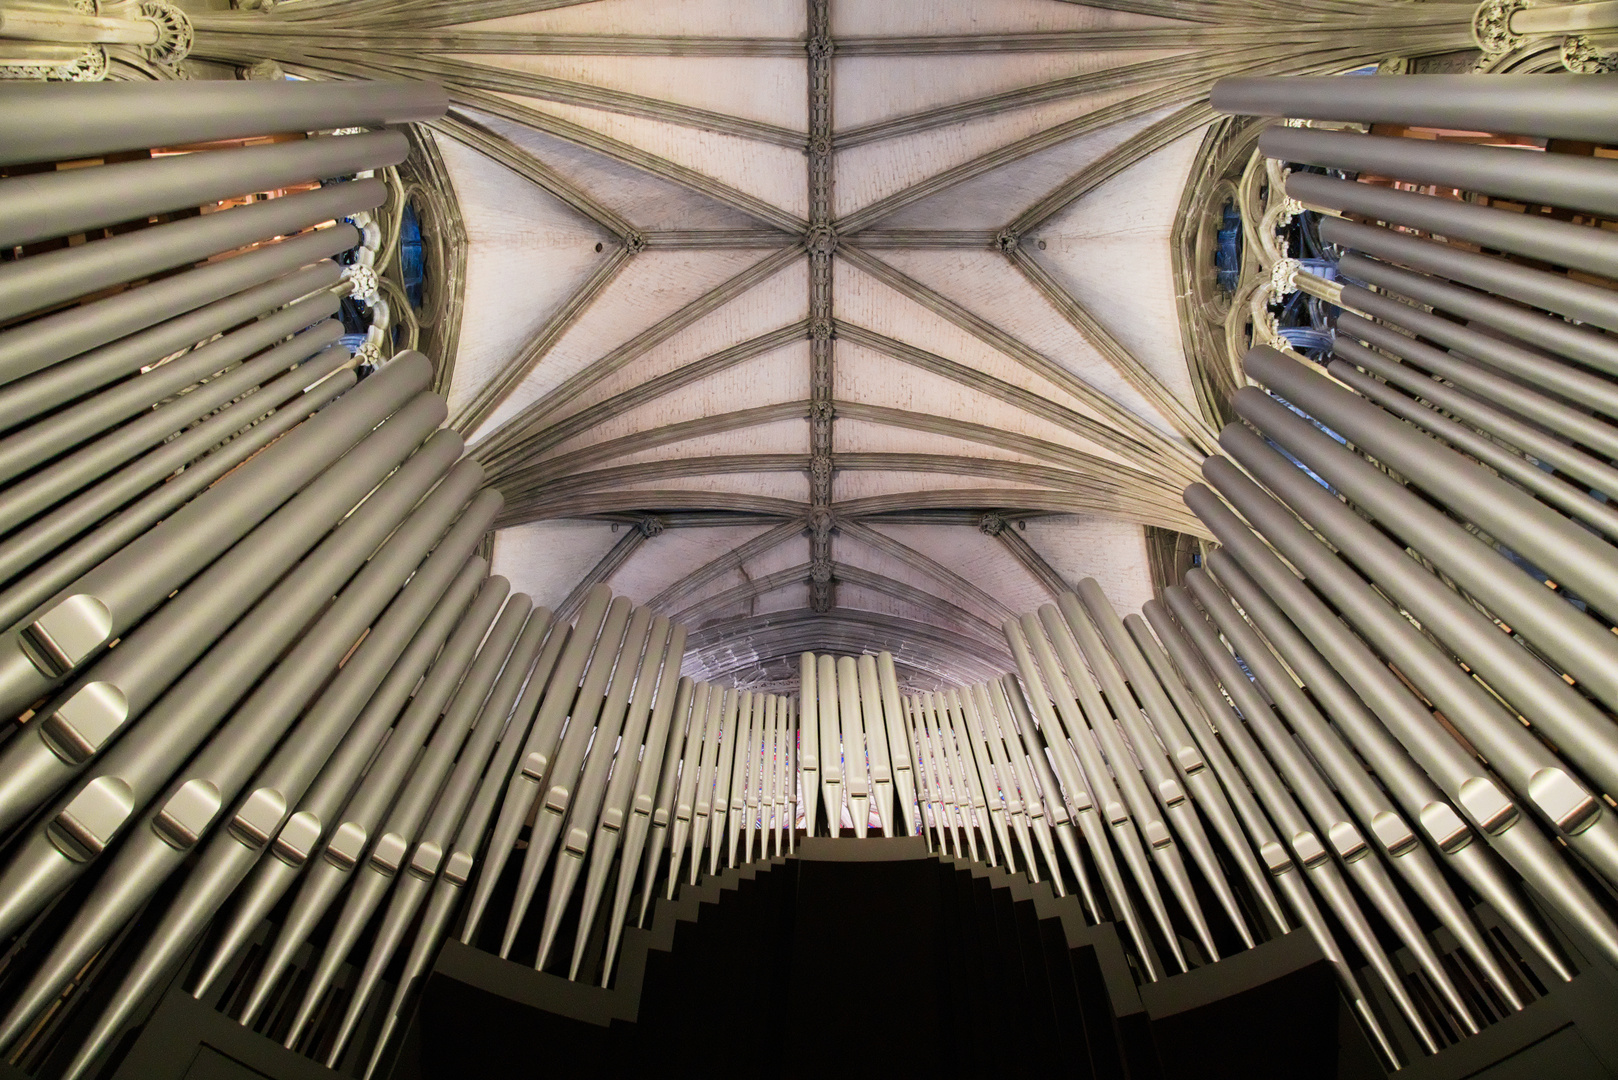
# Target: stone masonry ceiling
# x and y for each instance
(823, 324)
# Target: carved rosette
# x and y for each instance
(1491, 26)
(821, 240)
(174, 33)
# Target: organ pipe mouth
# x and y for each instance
(63, 637)
(80, 726)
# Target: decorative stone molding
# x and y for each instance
(53, 63)
(991, 524)
(174, 34)
(70, 43)
(1283, 278)
(1581, 56)
(1520, 35)
(821, 239)
(1491, 26)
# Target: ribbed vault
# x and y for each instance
(826, 324)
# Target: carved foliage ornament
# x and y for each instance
(822, 240)
(1493, 31)
(174, 34)
(33, 63)
(70, 44)
(1491, 26)
(1581, 56)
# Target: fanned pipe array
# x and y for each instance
(1123, 736)
(1389, 690)
(1405, 637)
(586, 781)
(981, 776)
(518, 717)
(624, 762)
(729, 780)
(240, 588)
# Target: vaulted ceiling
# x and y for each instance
(823, 324)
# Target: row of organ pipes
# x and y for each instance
(1390, 686)
(257, 661)
(1114, 733)
(261, 666)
